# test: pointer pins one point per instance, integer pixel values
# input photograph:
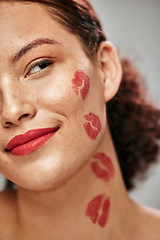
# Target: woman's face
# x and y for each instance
(50, 86)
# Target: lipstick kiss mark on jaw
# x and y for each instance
(99, 203)
(80, 83)
(92, 125)
(104, 173)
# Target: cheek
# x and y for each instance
(74, 88)
(58, 98)
(98, 210)
(81, 87)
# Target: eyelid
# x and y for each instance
(37, 62)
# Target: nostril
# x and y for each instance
(15, 113)
(23, 116)
(26, 115)
(8, 123)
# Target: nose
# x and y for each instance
(16, 114)
(15, 110)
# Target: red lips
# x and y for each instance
(92, 125)
(30, 141)
(98, 210)
(107, 171)
(80, 83)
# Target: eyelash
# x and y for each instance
(42, 64)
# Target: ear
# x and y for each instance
(111, 69)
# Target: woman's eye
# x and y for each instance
(39, 66)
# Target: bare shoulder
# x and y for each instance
(152, 217)
(7, 212)
(149, 223)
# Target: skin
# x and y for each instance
(56, 183)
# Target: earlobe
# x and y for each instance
(111, 69)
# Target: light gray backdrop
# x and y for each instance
(134, 27)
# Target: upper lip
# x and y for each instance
(29, 136)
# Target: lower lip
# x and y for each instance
(31, 145)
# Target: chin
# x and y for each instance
(40, 185)
(43, 180)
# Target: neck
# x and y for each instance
(89, 205)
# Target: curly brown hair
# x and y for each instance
(134, 125)
(134, 122)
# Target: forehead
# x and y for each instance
(21, 12)
(27, 21)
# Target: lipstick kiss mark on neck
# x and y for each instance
(98, 210)
(92, 125)
(80, 83)
(106, 171)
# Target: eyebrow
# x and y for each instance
(30, 46)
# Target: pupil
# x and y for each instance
(44, 65)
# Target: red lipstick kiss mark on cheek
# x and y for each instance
(104, 174)
(98, 210)
(92, 125)
(80, 83)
